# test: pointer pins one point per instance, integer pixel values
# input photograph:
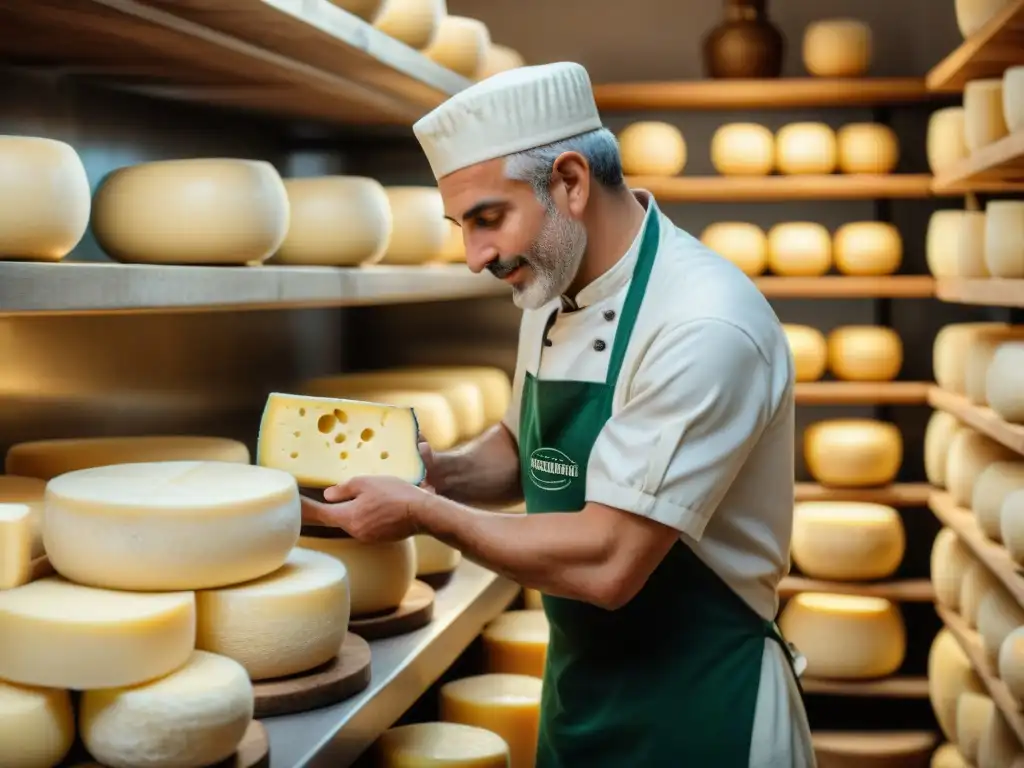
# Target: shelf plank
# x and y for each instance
(898, 495)
(886, 688)
(904, 590)
(987, 292)
(987, 53)
(843, 287)
(742, 189)
(862, 392)
(999, 167)
(777, 93)
(981, 418)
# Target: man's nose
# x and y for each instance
(478, 258)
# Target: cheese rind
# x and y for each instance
(867, 148)
(460, 44)
(440, 745)
(837, 48)
(1004, 383)
(979, 357)
(999, 744)
(419, 230)
(171, 525)
(434, 557)
(809, 349)
(865, 353)
(847, 540)
(970, 246)
(947, 756)
(516, 643)
(984, 123)
(973, 712)
(325, 441)
(1004, 238)
(37, 726)
(946, 145)
(853, 453)
(1011, 663)
(532, 600)
(949, 352)
(1011, 525)
(16, 537)
(413, 22)
(938, 436)
(997, 481)
(652, 148)
(999, 614)
(379, 574)
(745, 245)
(366, 10)
(950, 560)
(978, 584)
(743, 149)
(942, 241)
(194, 717)
(1013, 98)
(30, 492)
(867, 248)
(805, 148)
(949, 674)
(500, 58)
(969, 455)
(799, 249)
(972, 15)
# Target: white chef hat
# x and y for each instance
(508, 112)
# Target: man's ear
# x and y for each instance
(570, 181)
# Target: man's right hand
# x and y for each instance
(431, 480)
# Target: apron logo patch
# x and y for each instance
(552, 470)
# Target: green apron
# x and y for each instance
(671, 678)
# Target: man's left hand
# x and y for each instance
(369, 508)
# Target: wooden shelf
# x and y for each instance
(747, 189)
(983, 419)
(862, 392)
(776, 93)
(842, 287)
(887, 688)
(988, 291)
(903, 591)
(999, 167)
(987, 53)
(305, 58)
(899, 495)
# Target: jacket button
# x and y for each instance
(548, 342)
(599, 345)
(609, 314)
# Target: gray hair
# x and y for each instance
(599, 147)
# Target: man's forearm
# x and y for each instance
(484, 471)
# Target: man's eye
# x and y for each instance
(487, 221)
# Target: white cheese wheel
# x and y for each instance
(434, 414)
(970, 453)
(805, 148)
(336, 221)
(1013, 98)
(516, 643)
(743, 149)
(942, 243)
(970, 246)
(1011, 525)
(37, 726)
(532, 600)
(287, 622)
(949, 674)
(652, 148)
(984, 123)
(434, 557)
(947, 756)
(1011, 663)
(365, 9)
(440, 745)
(16, 538)
(1004, 238)
(46, 459)
(973, 712)
(853, 453)
(194, 717)
(972, 15)
(170, 525)
(500, 58)
(809, 349)
(865, 353)
(201, 211)
(845, 636)
(949, 562)
(847, 540)
(938, 436)
(745, 245)
(979, 357)
(867, 248)
(837, 48)
(946, 142)
(419, 231)
(997, 481)
(999, 613)
(799, 249)
(949, 352)
(508, 705)
(413, 22)
(379, 574)
(978, 584)
(1000, 747)
(30, 492)
(867, 148)
(1004, 384)
(119, 638)
(44, 198)
(460, 44)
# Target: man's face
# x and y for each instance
(532, 246)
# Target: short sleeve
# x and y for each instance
(696, 406)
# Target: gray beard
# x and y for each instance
(554, 259)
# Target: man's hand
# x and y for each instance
(372, 509)
(430, 483)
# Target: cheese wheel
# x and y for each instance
(978, 583)
(942, 243)
(45, 459)
(16, 537)
(413, 22)
(973, 712)
(1004, 238)
(379, 573)
(869, 248)
(837, 48)
(1004, 384)
(196, 716)
(871, 749)
(287, 622)
(949, 675)
(170, 525)
(970, 453)
(434, 414)
(999, 747)
(508, 705)
(532, 600)
(516, 643)
(999, 613)
(651, 148)
(865, 353)
(970, 246)
(847, 540)
(947, 756)
(997, 481)
(867, 148)
(500, 58)
(336, 221)
(460, 44)
(419, 230)
(454, 250)
(946, 144)
(1011, 525)
(972, 15)
(809, 349)
(845, 636)
(44, 198)
(984, 123)
(949, 351)
(949, 562)
(364, 9)
(745, 245)
(30, 492)
(938, 436)
(853, 453)
(805, 148)
(119, 638)
(440, 745)
(1011, 663)
(799, 249)
(37, 726)
(979, 357)
(743, 149)
(1013, 98)
(434, 557)
(200, 211)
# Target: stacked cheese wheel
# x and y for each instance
(850, 353)
(977, 243)
(982, 361)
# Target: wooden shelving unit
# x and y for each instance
(999, 167)
(903, 591)
(899, 495)
(981, 418)
(987, 53)
(751, 189)
(843, 287)
(862, 392)
(988, 292)
(886, 688)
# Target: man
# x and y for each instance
(651, 434)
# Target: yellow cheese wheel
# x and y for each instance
(745, 245)
(743, 149)
(970, 453)
(30, 492)
(949, 352)
(336, 221)
(508, 705)
(973, 712)
(999, 614)
(500, 58)
(979, 357)
(37, 726)
(1011, 663)
(942, 243)
(946, 143)
(809, 349)
(950, 560)
(872, 749)
(867, 148)
(419, 230)
(799, 249)
(1004, 383)
(837, 48)
(984, 122)
(434, 557)
(460, 44)
(978, 584)
(868, 248)
(413, 22)
(364, 9)
(865, 353)
(1000, 746)
(949, 674)
(970, 247)
(379, 574)
(652, 148)
(853, 453)
(44, 198)
(938, 436)
(1011, 525)
(516, 643)
(202, 211)
(1013, 98)
(533, 600)
(847, 540)
(947, 756)
(1004, 238)
(440, 745)
(805, 148)
(972, 15)
(16, 538)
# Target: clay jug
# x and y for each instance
(745, 45)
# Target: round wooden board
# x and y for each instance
(415, 611)
(339, 679)
(253, 752)
(436, 580)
